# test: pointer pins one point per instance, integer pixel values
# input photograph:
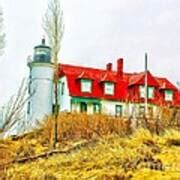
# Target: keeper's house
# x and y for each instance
(92, 90)
(84, 89)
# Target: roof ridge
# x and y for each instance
(83, 67)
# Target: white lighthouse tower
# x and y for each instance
(40, 85)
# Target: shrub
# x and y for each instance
(74, 126)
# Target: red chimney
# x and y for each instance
(109, 67)
(120, 67)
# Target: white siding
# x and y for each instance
(76, 107)
(109, 107)
(65, 98)
(90, 109)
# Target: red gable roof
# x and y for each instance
(73, 73)
(122, 85)
(165, 84)
(139, 79)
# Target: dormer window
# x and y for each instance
(86, 85)
(142, 91)
(150, 92)
(108, 88)
(168, 95)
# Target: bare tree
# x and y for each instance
(54, 28)
(15, 108)
(2, 34)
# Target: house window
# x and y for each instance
(86, 85)
(118, 110)
(96, 108)
(168, 95)
(150, 92)
(109, 88)
(142, 91)
(62, 88)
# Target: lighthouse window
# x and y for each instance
(40, 52)
(86, 85)
(29, 107)
(29, 87)
(109, 88)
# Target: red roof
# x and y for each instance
(139, 79)
(165, 84)
(73, 73)
(122, 85)
(85, 75)
(109, 77)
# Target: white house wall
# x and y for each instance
(109, 107)
(75, 107)
(90, 109)
(65, 98)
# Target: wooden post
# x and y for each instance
(56, 109)
(146, 84)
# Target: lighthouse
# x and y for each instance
(40, 89)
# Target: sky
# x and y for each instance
(96, 32)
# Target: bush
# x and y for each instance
(75, 126)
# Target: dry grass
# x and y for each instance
(118, 154)
(83, 126)
(139, 156)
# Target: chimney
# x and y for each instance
(109, 66)
(120, 67)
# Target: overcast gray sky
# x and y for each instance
(96, 32)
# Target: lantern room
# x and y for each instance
(42, 53)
